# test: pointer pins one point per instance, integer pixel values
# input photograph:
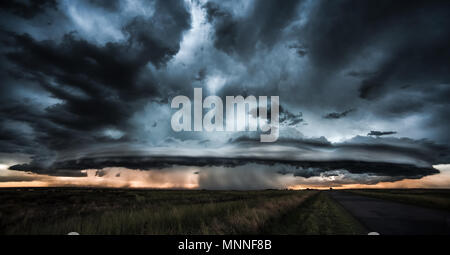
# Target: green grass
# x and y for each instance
(319, 215)
(437, 199)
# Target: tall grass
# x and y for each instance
(227, 213)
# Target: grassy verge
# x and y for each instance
(437, 199)
(319, 215)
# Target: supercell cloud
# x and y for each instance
(364, 88)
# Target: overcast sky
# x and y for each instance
(364, 90)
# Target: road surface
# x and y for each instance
(392, 218)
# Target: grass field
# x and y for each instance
(133, 211)
(431, 198)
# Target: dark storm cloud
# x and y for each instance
(421, 150)
(307, 168)
(254, 141)
(289, 118)
(417, 44)
(339, 30)
(392, 158)
(263, 24)
(74, 88)
(158, 38)
(110, 5)
(391, 53)
(286, 117)
(396, 52)
(338, 115)
(381, 133)
(95, 86)
(27, 9)
(13, 140)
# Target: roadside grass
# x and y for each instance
(144, 212)
(436, 199)
(319, 215)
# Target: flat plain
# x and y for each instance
(103, 211)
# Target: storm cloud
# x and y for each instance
(338, 115)
(88, 85)
(381, 133)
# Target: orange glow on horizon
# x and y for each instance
(186, 178)
(111, 178)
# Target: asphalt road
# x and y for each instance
(392, 218)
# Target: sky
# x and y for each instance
(86, 91)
